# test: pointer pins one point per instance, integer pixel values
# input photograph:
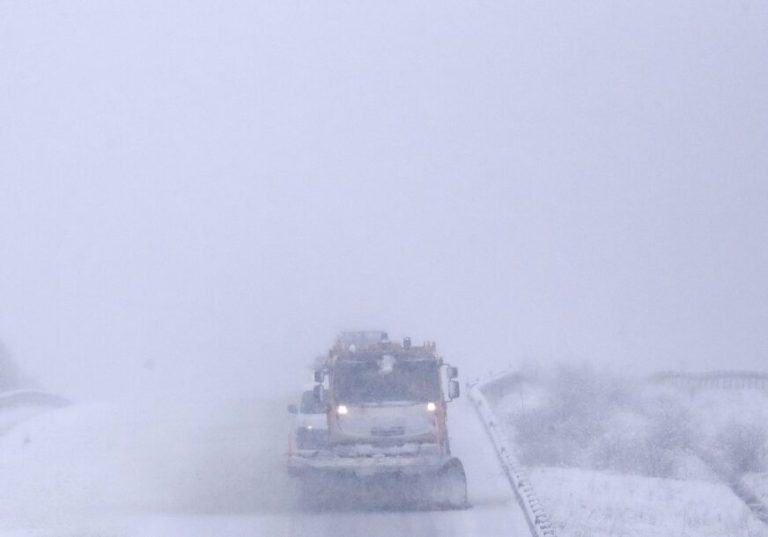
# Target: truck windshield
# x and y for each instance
(405, 380)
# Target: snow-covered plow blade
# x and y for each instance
(381, 479)
(366, 461)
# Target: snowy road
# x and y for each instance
(209, 470)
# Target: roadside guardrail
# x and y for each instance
(18, 398)
(726, 380)
(494, 387)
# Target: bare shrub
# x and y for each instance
(741, 447)
(578, 413)
(669, 437)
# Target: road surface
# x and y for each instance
(203, 469)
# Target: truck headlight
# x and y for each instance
(342, 410)
(431, 407)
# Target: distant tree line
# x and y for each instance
(9, 371)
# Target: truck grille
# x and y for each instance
(388, 431)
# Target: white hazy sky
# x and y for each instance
(220, 187)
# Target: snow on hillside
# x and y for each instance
(605, 422)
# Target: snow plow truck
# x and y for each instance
(386, 407)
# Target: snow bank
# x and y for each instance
(17, 406)
(11, 417)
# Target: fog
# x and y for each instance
(196, 197)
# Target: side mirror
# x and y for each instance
(318, 394)
(453, 372)
(293, 409)
(454, 391)
(319, 376)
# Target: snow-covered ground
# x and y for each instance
(600, 504)
(612, 456)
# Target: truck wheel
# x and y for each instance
(450, 486)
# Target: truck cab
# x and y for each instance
(389, 395)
